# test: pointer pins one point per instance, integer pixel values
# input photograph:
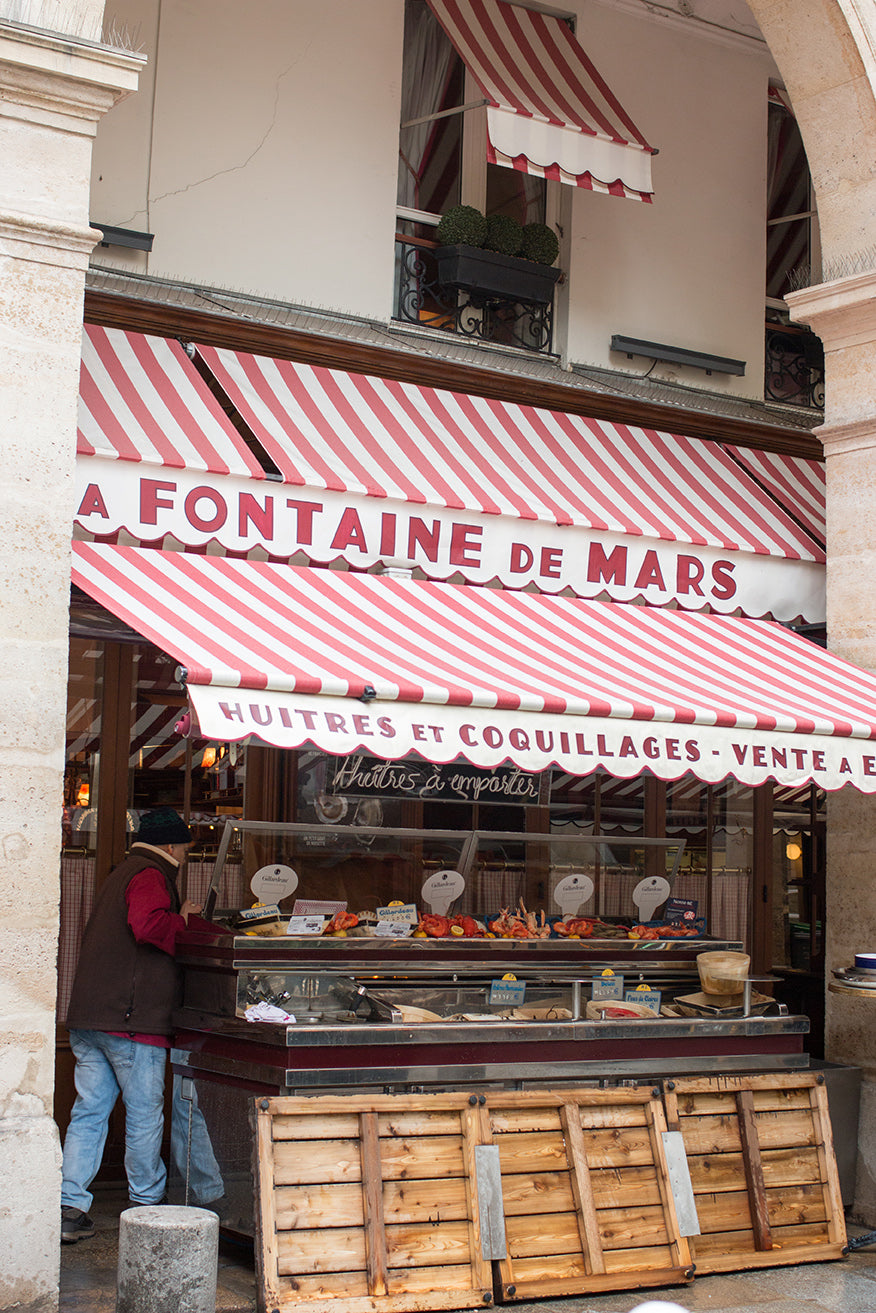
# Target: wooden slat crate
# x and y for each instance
(370, 1202)
(587, 1202)
(367, 1202)
(762, 1166)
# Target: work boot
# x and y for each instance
(75, 1225)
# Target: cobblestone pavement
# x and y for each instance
(88, 1281)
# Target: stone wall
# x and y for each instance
(53, 90)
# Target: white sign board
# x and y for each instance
(442, 889)
(649, 894)
(572, 892)
(271, 884)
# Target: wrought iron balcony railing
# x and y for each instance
(794, 372)
(421, 297)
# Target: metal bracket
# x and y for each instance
(680, 1183)
(490, 1206)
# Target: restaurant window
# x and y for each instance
(601, 804)
(368, 793)
(716, 870)
(798, 878)
(442, 163)
(715, 821)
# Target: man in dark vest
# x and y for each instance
(126, 988)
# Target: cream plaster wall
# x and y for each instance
(52, 92)
(270, 164)
(689, 269)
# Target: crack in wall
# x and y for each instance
(232, 168)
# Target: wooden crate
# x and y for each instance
(587, 1201)
(761, 1160)
(370, 1202)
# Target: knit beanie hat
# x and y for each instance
(163, 825)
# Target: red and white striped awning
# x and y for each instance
(140, 400)
(796, 483)
(356, 662)
(549, 111)
(778, 96)
(457, 486)
(353, 433)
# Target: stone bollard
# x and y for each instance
(167, 1260)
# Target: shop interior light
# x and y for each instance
(793, 852)
(209, 757)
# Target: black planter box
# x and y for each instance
(488, 274)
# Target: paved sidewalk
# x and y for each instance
(88, 1281)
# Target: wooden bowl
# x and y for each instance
(723, 972)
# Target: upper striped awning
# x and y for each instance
(797, 483)
(356, 662)
(352, 433)
(317, 466)
(549, 111)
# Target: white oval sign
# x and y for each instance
(649, 894)
(271, 884)
(441, 889)
(572, 892)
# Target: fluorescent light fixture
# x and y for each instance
(124, 237)
(677, 355)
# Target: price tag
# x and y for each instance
(642, 994)
(608, 985)
(259, 913)
(393, 929)
(401, 912)
(508, 991)
(305, 925)
(316, 907)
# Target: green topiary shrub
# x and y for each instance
(462, 225)
(540, 243)
(504, 234)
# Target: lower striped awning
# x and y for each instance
(358, 662)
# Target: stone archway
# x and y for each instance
(826, 52)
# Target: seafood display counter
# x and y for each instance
(302, 1001)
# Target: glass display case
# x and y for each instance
(477, 874)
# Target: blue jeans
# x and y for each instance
(198, 1168)
(107, 1065)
